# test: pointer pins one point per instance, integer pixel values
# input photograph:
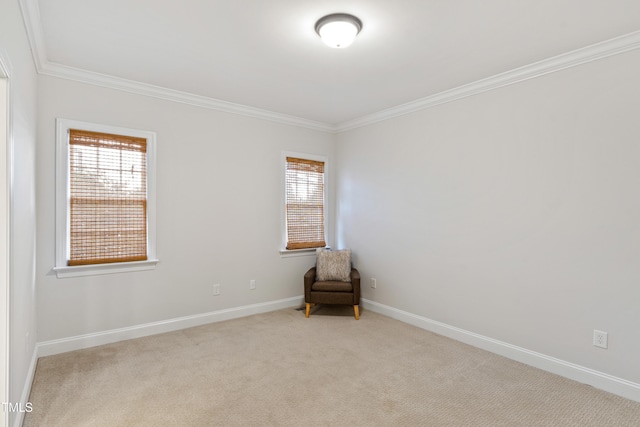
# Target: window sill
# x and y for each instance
(97, 269)
(286, 253)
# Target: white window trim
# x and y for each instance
(284, 252)
(61, 268)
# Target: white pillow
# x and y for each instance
(333, 265)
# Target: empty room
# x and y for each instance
(354, 212)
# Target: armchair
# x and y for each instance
(332, 291)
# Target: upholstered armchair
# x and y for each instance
(332, 281)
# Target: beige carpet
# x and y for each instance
(282, 369)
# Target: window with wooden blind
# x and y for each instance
(107, 198)
(106, 202)
(304, 203)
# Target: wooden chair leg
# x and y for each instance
(307, 311)
(356, 311)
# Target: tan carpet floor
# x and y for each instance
(281, 369)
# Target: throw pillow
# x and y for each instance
(333, 265)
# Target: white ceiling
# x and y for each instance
(265, 53)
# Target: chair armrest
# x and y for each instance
(355, 283)
(309, 279)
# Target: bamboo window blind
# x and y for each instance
(107, 198)
(304, 203)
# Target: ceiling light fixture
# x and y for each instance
(339, 29)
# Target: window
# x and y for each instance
(304, 203)
(105, 199)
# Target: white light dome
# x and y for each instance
(338, 30)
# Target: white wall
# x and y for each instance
(218, 213)
(16, 56)
(514, 214)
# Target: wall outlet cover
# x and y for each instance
(600, 339)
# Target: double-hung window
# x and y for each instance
(304, 203)
(105, 201)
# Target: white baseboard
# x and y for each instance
(49, 348)
(600, 380)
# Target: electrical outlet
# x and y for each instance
(600, 339)
(252, 284)
(374, 283)
(216, 289)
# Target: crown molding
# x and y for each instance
(557, 63)
(110, 82)
(31, 17)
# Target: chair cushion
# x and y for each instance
(333, 265)
(332, 286)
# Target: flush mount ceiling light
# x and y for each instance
(338, 30)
